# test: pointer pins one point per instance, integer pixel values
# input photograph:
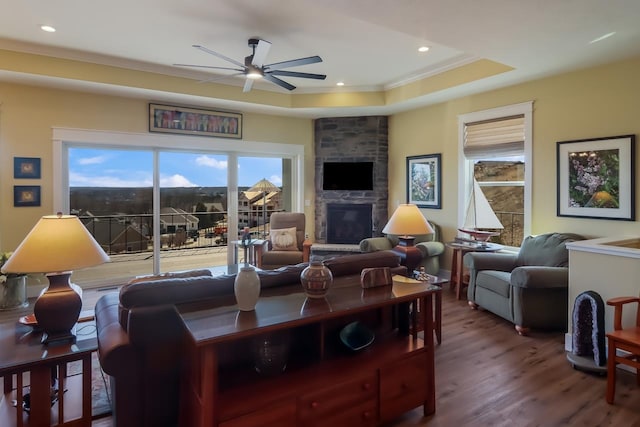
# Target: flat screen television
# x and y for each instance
(347, 176)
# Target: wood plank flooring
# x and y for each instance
(488, 375)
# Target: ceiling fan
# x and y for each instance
(254, 67)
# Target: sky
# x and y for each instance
(128, 168)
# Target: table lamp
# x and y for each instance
(56, 245)
(407, 222)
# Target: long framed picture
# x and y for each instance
(424, 181)
(26, 167)
(26, 195)
(595, 178)
(194, 121)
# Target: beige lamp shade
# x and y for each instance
(407, 220)
(56, 243)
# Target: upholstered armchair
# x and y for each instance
(528, 288)
(430, 245)
(287, 243)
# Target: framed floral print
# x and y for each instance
(595, 178)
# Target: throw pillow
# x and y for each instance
(283, 239)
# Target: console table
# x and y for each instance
(324, 383)
(26, 366)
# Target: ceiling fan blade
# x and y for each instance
(216, 78)
(219, 55)
(293, 63)
(260, 54)
(248, 83)
(296, 74)
(209, 67)
(281, 83)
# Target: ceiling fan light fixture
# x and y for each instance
(254, 74)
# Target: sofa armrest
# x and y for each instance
(540, 277)
(429, 249)
(114, 348)
(374, 244)
(490, 261)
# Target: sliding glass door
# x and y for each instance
(157, 209)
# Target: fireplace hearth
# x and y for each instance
(348, 223)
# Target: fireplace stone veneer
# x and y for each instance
(352, 139)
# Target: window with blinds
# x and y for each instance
(496, 149)
(494, 138)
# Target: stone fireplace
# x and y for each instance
(348, 223)
(351, 139)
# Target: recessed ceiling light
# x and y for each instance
(340, 84)
(48, 28)
(599, 39)
(423, 49)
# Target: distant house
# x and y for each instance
(172, 219)
(116, 235)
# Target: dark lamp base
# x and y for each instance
(410, 256)
(57, 309)
(59, 338)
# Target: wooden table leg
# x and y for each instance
(438, 317)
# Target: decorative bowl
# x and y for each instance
(356, 336)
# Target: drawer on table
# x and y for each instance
(337, 398)
(403, 386)
(275, 416)
(364, 414)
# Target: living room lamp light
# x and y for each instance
(407, 222)
(56, 245)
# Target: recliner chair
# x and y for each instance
(274, 257)
(430, 245)
(530, 288)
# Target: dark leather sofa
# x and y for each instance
(140, 334)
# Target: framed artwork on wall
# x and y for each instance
(424, 181)
(595, 178)
(26, 195)
(194, 121)
(26, 167)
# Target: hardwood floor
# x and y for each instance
(488, 375)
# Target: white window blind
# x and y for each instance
(494, 138)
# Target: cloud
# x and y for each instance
(276, 180)
(80, 180)
(211, 162)
(92, 160)
(176, 180)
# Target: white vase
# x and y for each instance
(247, 288)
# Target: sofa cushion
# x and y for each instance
(495, 281)
(546, 249)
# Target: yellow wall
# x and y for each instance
(28, 114)
(598, 102)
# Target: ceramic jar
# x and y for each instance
(247, 288)
(316, 279)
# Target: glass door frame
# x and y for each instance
(63, 138)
